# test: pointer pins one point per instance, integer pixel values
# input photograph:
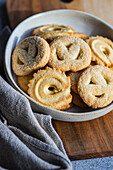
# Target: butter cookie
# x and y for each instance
(30, 54)
(74, 76)
(69, 53)
(51, 87)
(77, 100)
(95, 86)
(49, 32)
(80, 35)
(23, 81)
(102, 50)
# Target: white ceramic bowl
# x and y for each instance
(82, 22)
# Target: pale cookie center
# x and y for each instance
(44, 91)
(55, 29)
(103, 50)
(97, 85)
(69, 51)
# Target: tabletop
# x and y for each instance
(81, 140)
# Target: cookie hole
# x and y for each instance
(79, 55)
(19, 62)
(91, 82)
(93, 63)
(68, 46)
(59, 58)
(26, 49)
(99, 96)
(105, 51)
(57, 29)
(107, 81)
(36, 53)
(51, 88)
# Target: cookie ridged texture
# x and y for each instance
(95, 86)
(51, 87)
(102, 50)
(69, 53)
(30, 54)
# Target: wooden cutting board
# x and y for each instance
(81, 140)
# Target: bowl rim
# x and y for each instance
(13, 83)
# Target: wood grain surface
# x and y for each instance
(21, 9)
(82, 140)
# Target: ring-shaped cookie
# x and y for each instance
(95, 86)
(52, 29)
(50, 32)
(102, 50)
(69, 53)
(30, 54)
(51, 87)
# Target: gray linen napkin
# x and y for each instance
(28, 140)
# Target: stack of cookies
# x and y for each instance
(59, 67)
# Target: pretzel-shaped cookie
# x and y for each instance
(30, 54)
(102, 50)
(95, 86)
(51, 87)
(69, 53)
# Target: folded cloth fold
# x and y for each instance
(28, 140)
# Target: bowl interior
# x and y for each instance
(82, 22)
